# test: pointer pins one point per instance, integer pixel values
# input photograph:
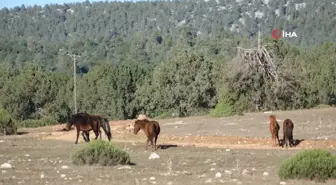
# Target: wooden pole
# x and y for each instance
(75, 93)
(74, 57)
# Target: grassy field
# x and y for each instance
(193, 150)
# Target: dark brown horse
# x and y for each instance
(85, 122)
(288, 127)
(96, 121)
(151, 129)
(274, 128)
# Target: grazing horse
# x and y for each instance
(151, 129)
(85, 122)
(288, 127)
(274, 128)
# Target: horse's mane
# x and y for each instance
(142, 117)
(273, 118)
(142, 120)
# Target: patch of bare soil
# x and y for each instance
(250, 131)
(238, 151)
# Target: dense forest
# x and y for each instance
(163, 58)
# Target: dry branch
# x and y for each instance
(260, 59)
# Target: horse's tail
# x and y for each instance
(106, 128)
(157, 128)
(288, 126)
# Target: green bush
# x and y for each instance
(7, 123)
(322, 106)
(166, 115)
(222, 110)
(34, 123)
(318, 165)
(47, 120)
(100, 152)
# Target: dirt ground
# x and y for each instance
(196, 148)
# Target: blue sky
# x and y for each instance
(13, 3)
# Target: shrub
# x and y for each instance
(33, 123)
(7, 123)
(223, 109)
(318, 165)
(322, 106)
(100, 152)
(47, 120)
(166, 115)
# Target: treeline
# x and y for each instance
(188, 83)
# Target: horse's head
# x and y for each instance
(136, 127)
(71, 122)
(68, 125)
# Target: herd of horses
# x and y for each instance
(85, 122)
(287, 128)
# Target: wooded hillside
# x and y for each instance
(164, 57)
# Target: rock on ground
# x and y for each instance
(154, 156)
(208, 181)
(152, 178)
(6, 166)
(227, 172)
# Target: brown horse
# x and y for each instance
(96, 120)
(288, 127)
(274, 128)
(151, 129)
(97, 123)
(85, 122)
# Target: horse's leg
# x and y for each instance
(96, 130)
(77, 136)
(286, 141)
(151, 140)
(277, 136)
(84, 136)
(273, 139)
(156, 137)
(100, 134)
(276, 140)
(88, 135)
(147, 143)
(291, 143)
(97, 134)
(105, 132)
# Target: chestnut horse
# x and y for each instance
(288, 127)
(85, 122)
(151, 129)
(274, 128)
